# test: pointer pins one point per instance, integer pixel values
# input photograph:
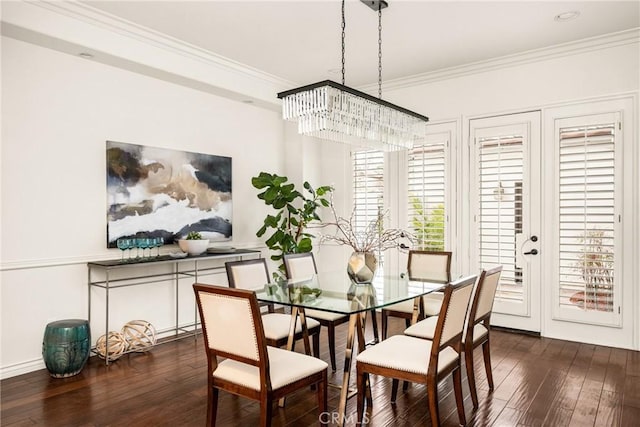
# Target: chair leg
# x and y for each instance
(331, 331)
(385, 319)
(432, 397)
(374, 324)
(266, 412)
(394, 390)
(486, 352)
(212, 406)
(361, 383)
(457, 390)
(471, 377)
(316, 345)
(322, 400)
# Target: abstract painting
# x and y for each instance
(157, 192)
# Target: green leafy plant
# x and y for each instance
(194, 235)
(294, 212)
(428, 227)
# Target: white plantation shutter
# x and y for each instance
(426, 194)
(368, 187)
(587, 172)
(501, 175)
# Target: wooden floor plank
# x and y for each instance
(586, 408)
(632, 391)
(616, 371)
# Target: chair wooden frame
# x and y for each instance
(390, 312)
(267, 394)
(482, 294)
(433, 376)
(314, 332)
(330, 324)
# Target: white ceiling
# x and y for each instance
(300, 40)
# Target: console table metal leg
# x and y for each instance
(175, 270)
(106, 320)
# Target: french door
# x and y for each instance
(505, 223)
(589, 215)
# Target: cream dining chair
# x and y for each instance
(253, 275)
(233, 331)
(402, 357)
(303, 265)
(432, 266)
(477, 330)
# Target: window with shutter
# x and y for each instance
(426, 194)
(368, 188)
(587, 217)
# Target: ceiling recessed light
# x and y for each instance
(566, 16)
(86, 55)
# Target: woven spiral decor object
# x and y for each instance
(117, 346)
(140, 335)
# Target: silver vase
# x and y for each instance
(362, 267)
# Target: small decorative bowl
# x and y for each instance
(193, 247)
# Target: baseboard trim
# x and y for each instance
(516, 331)
(21, 368)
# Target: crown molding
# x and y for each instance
(536, 55)
(68, 26)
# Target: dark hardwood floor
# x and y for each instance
(538, 381)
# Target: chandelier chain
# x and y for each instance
(343, 36)
(380, 52)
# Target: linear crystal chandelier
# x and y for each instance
(335, 112)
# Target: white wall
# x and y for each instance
(57, 112)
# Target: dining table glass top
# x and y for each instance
(335, 292)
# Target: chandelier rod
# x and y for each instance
(344, 24)
(379, 51)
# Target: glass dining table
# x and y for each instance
(335, 292)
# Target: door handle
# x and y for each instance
(531, 252)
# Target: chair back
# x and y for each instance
(299, 266)
(429, 265)
(484, 295)
(247, 274)
(231, 324)
(453, 313)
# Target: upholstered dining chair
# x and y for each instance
(477, 331)
(421, 265)
(407, 358)
(299, 266)
(233, 329)
(253, 275)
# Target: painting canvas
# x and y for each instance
(157, 192)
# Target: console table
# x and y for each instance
(100, 275)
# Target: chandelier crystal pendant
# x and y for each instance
(335, 112)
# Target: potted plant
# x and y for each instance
(295, 211)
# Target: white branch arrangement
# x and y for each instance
(373, 238)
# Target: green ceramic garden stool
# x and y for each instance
(66, 346)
